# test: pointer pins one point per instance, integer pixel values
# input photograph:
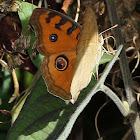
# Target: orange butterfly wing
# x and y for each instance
(57, 38)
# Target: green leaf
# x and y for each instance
(24, 12)
(106, 58)
(43, 115)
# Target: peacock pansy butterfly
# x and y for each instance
(57, 39)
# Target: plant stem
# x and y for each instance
(125, 69)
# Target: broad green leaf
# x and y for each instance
(43, 115)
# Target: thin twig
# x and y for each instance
(78, 10)
(127, 135)
(16, 87)
(16, 84)
(45, 4)
(96, 118)
(40, 3)
(137, 63)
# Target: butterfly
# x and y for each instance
(70, 52)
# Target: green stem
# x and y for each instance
(127, 78)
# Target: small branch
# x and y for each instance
(16, 87)
(16, 84)
(45, 4)
(40, 3)
(78, 10)
(127, 135)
